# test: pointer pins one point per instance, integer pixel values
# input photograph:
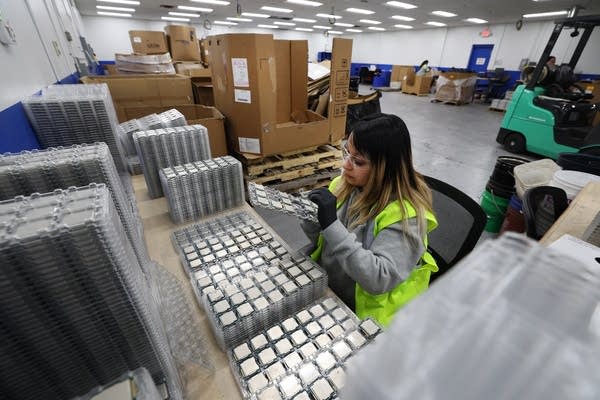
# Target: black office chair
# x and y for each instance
(460, 224)
(542, 205)
(497, 82)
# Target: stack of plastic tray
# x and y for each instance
(304, 356)
(202, 188)
(244, 278)
(63, 115)
(79, 165)
(172, 118)
(514, 318)
(169, 147)
(273, 199)
(136, 385)
(77, 310)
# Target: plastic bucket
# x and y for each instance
(514, 220)
(503, 173)
(495, 208)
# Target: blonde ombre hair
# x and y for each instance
(384, 140)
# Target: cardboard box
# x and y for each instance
(192, 69)
(417, 84)
(183, 42)
(148, 42)
(145, 90)
(204, 52)
(399, 74)
(456, 87)
(203, 92)
(260, 85)
(209, 117)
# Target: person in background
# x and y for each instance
(423, 68)
(551, 63)
(374, 220)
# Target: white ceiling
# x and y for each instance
(494, 11)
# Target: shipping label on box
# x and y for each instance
(249, 145)
(242, 96)
(239, 68)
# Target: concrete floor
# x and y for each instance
(455, 144)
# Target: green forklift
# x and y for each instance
(550, 114)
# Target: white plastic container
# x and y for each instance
(572, 181)
(533, 174)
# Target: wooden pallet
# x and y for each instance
(257, 167)
(497, 109)
(417, 94)
(451, 102)
(307, 183)
(283, 175)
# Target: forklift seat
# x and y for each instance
(567, 113)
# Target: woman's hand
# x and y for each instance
(327, 213)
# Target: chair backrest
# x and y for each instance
(542, 205)
(460, 224)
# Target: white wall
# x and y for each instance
(109, 35)
(40, 56)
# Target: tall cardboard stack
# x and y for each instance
(183, 42)
(456, 87)
(148, 42)
(260, 85)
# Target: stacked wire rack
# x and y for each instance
(243, 277)
(304, 356)
(77, 311)
(63, 115)
(167, 119)
(169, 147)
(79, 165)
(514, 318)
(202, 188)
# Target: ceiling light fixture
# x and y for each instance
(335, 32)
(435, 23)
(198, 9)
(376, 28)
(113, 14)
(344, 24)
(402, 18)
(225, 23)
(403, 26)
(306, 3)
(123, 9)
(307, 20)
(354, 30)
(175, 19)
(217, 2)
(370, 21)
(476, 20)
(277, 9)
(128, 2)
(178, 14)
(360, 11)
(268, 26)
(545, 14)
(321, 27)
(255, 15)
(400, 4)
(284, 23)
(239, 19)
(329, 16)
(444, 14)
(304, 29)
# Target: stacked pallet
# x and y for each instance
(300, 170)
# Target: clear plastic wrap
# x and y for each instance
(273, 199)
(133, 385)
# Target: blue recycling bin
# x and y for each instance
(383, 79)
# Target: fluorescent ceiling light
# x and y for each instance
(255, 15)
(307, 20)
(476, 20)
(335, 32)
(268, 26)
(403, 26)
(217, 2)
(400, 4)
(370, 21)
(304, 29)
(306, 3)
(239, 19)
(277, 9)
(321, 27)
(178, 14)
(545, 14)
(329, 16)
(113, 14)
(198, 9)
(124, 9)
(444, 14)
(376, 28)
(284, 23)
(128, 2)
(402, 18)
(360, 11)
(344, 24)
(435, 23)
(175, 19)
(224, 23)
(354, 30)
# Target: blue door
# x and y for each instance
(480, 57)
